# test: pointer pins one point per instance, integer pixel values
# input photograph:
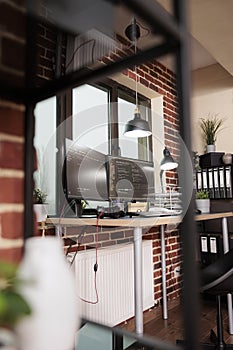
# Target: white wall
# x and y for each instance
(212, 94)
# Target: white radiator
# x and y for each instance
(115, 282)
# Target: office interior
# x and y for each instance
(73, 73)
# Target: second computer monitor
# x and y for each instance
(130, 179)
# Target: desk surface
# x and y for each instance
(133, 222)
(211, 216)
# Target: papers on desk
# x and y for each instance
(156, 211)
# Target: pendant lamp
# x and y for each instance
(167, 162)
(136, 127)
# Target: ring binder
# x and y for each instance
(216, 180)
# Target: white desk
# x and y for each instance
(137, 223)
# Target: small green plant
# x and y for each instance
(210, 127)
(39, 197)
(13, 306)
(202, 194)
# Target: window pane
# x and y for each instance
(45, 144)
(128, 146)
(90, 117)
(136, 148)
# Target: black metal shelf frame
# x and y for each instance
(175, 30)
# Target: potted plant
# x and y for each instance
(40, 206)
(13, 306)
(210, 127)
(203, 201)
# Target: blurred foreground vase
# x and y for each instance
(8, 339)
(51, 295)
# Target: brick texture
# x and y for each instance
(12, 70)
(11, 190)
(17, 24)
(11, 254)
(11, 155)
(11, 121)
(12, 225)
(13, 48)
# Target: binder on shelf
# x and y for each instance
(216, 183)
(204, 180)
(216, 180)
(210, 183)
(221, 183)
(213, 245)
(228, 182)
(204, 244)
(198, 180)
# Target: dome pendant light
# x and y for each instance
(136, 127)
(167, 162)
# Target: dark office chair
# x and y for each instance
(217, 279)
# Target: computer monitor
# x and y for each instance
(84, 173)
(101, 179)
(130, 179)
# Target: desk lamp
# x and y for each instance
(136, 127)
(167, 163)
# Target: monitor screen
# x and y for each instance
(130, 179)
(84, 173)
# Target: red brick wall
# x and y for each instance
(12, 61)
(11, 180)
(12, 74)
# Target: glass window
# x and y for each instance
(45, 144)
(90, 117)
(137, 148)
(91, 121)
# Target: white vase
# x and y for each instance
(203, 205)
(40, 211)
(8, 339)
(210, 148)
(227, 158)
(51, 294)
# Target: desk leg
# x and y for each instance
(138, 280)
(225, 250)
(163, 263)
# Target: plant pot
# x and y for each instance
(210, 148)
(41, 212)
(203, 205)
(8, 340)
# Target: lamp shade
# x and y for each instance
(137, 127)
(167, 162)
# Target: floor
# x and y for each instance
(171, 329)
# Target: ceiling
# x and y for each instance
(211, 27)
